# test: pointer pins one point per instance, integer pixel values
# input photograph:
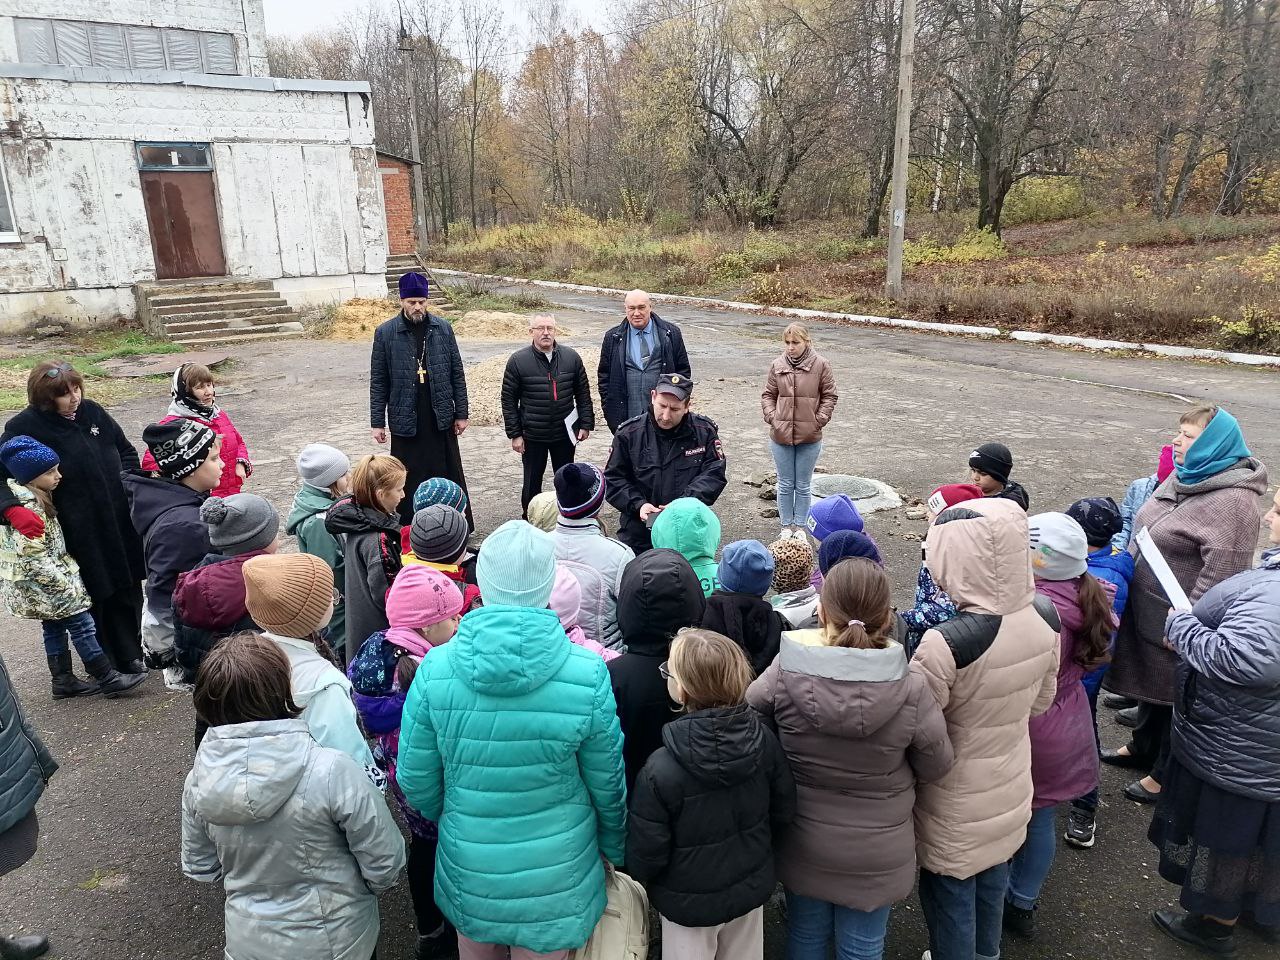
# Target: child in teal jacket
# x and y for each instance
(692, 529)
(524, 721)
(326, 478)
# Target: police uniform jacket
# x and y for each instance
(651, 465)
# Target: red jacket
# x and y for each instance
(234, 451)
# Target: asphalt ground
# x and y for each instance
(106, 882)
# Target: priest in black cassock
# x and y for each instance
(418, 392)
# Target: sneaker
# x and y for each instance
(1019, 921)
(173, 679)
(1196, 931)
(1080, 829)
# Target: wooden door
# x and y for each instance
(182, 216)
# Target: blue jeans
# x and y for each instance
(810, 923)
(83, 632)
(795, 478)
(964, 916)
(1030, 866)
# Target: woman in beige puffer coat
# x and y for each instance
(798, 401)
(992, 667)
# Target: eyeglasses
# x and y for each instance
(54, 372)
(664, 671)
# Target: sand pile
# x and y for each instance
(496, 325)
(484, 388)
(357, 319)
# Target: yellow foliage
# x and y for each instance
(973, 246)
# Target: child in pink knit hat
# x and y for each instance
(423, 610)
(566, 601)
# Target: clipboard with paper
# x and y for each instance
(1160, 567)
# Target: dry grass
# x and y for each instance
(1201, 281)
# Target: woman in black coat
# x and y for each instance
(91, 502)
(25, 768)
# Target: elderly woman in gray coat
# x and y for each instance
(301, 840)
(1217, 823)
(25, 768)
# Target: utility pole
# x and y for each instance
(901, 147)
(415, 148)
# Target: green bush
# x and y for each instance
(1044, 200)
(972, 247)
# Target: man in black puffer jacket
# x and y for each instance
(706, 807)
(543, 385)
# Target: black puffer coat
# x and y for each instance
(393, 376)
(25, 763)
(1226, 711)
(703, 816)
(659, 594)
(748, 621)
(650, 465)
(91, 502)
(537, 394)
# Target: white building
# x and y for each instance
(142, 140)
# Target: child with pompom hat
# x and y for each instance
(423, 609)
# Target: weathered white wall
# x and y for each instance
(242, 18)
(295, 172)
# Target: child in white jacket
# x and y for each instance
(301, 840)
(39, 580)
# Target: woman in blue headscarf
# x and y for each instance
(1205, 520)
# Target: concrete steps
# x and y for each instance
(408, 263)
(218, 310)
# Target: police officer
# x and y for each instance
(660, 456)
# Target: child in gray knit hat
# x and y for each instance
(325, 472)
(209, 601)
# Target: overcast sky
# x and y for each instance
(292, 17)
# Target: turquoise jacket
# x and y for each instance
(510, 742)
(692, 529)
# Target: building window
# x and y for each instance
(8, 229)
(76, 43)
(174, 156)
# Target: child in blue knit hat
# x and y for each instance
(39, 580)
(737, 608)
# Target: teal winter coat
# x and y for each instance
(510, 742)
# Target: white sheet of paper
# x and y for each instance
(569, 421)
(1160, 567)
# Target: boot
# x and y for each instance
(67, 684)
(112, 683)
(23, 948)
(1019, 921)
(134, 666)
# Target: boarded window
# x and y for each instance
(107, 46)
(219, 52)
(146, 48)
(76, 44)
(7, 229)
(72, 41)
(183, 47)
(35, 41)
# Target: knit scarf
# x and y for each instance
(1220, 446)
(183, 403)
(797, 361)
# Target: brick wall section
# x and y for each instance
(397, 197)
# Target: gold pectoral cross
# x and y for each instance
(422, 374)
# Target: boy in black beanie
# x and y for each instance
(166, 513)
(989, 469)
